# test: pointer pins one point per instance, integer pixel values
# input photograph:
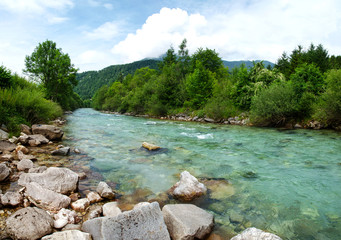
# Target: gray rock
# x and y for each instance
(22, 156)
(105, 191)
(36, 140)
(93, 197)
(64, 217)
(23, 138)
(209, 120)
(68, 235)
(60, 180)
(12, 199)
(45, 198)
(64, 151)
(111, 209)
(29, 223)
(187, 221)
(72, 227)
(24, 165)
(49, 131)
(143, 223)
(94, 211)
(80, 205)
(7, 146)
(25, 129)
(4, 171)
(7, 157)
(38, 169)
(254, 233)
(3, 135)
(188, 188)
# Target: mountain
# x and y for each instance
(89, 82)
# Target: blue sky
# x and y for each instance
(99, 33)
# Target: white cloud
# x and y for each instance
(108, 6)
(34, 6)
(240, 30)
(107, 31)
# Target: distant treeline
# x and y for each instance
(301, 86)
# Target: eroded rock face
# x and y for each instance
(254, 233)
(4, 171)
(60, 180)
(187, 221)
(188, 188)
(105, 191)
(143, 223)
(49, 131)
(29, 223)
(46, 198)
(68, 235)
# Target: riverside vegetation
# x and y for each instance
(302, 86)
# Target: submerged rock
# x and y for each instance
(60, 180)
(143, 223)
(254, 233)
(150, 147)
(187, 221)
(68, 235)
(29, 223)
(188, 188)
(49, 131)
(105, 191)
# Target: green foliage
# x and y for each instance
(25, 105)
(99, 97)
(328, 110)
(5, 77)
(274, 106)
(199, 85)
(50, 66)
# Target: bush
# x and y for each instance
(274, 106)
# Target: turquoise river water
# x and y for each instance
(283, 181)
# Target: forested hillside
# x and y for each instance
(302, 86)
(89, 82)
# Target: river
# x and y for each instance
(287, 182)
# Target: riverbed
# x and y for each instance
(283, 181)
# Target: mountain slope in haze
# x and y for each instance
(89, 82)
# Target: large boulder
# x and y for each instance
(45, 198)
(68, 235)
(105, 191)
(29, 223)
(187, 221)
(188, 188)
(254, 233)
(4, 171)
(60, 180)
(49, 131)
(3, 135)
(7, 146)
(143, 223)
(111, 209)
(12, 199)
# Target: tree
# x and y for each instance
(53, 69)
(5, 77)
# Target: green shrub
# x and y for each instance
(274, 106)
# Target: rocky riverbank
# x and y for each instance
(48, 191)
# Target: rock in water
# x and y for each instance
(68, 235)
(188, 188)
(4, 171)
(29, 223)
(46, 198)
(60, 180)
(49, 131)
(64, 151)
(254, 233)
(187, 221)
(143, 223)
(105, 191)
(150, 147)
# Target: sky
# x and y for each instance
(100, 33)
